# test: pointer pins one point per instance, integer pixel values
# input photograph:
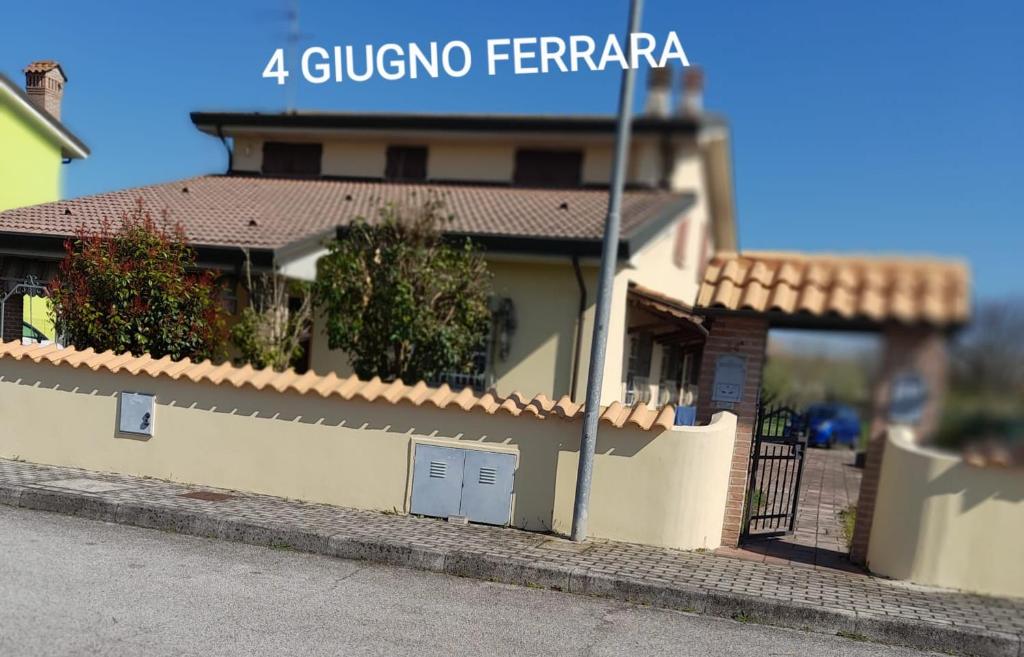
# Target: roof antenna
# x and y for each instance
(293, 42)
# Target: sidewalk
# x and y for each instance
(818, 600)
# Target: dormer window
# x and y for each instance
(546, 168)
(406, 163)
(291, 160)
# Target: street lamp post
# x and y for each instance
(609, 256)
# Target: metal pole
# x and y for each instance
(609, 256)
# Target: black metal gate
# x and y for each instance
(776, 466)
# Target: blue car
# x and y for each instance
(832, 424)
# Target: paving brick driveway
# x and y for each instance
(830, 485)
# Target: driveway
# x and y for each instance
(830, 486)
(70, 586)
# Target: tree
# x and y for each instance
(986, 396)
(989, 355)
(134, 289)
(271, 328)
(400, 300)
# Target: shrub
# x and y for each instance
(132, 289)
(399, 300)
(271, 328)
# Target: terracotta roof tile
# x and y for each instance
(375, 390)
(849, 287)
(273, 212)
(41, 66)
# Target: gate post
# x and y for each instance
(923, 351)
(745, 337)
(13, 316)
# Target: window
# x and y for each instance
(677, 376)
(291, 160)
(682, 233)
(406, 163)
(638, 368)
(540, 168)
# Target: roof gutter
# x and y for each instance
(579, 327)
(69, 144)
(224, 141)
(51, 247)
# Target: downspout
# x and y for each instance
(231, 154)
(579, 326)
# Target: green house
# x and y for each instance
(33, 142)
(33, 146)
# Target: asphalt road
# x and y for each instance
(70, 586)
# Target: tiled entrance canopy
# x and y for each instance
(853, 288)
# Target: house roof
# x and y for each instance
(274, 213)
(562, 124)
(796, 288)
(662, 304)
(71, 146)
(311, 383)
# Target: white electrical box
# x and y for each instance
(136, 413)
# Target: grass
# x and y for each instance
(848, 517)
(753, 504)
(853, 636)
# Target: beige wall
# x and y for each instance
(247, 154)
(657, 487)
(546, 297)
(940, 522)
(540, 361)
(655, 267)
(454, 158)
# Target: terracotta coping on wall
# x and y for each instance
(906, 290)
(376, 391)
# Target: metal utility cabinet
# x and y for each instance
(450, 481)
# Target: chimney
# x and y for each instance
(659, 92)
(44, 85)
(693, 91)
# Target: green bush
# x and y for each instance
(970, 418)
(400, 300)
(134, 289)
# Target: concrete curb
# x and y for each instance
(480, 565)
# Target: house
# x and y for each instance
(690, 311)
(35, 144)
(530, 190)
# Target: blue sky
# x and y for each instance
(865, 127)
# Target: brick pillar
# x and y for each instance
(13, 316)
(923, 350)
(745, 337)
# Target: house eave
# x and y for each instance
(71, 146)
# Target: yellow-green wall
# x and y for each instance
(29, 163)
(36, 311)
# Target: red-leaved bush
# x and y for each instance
(134, 288)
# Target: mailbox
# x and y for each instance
(730, 375)
(908, 395)
(136, 413)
